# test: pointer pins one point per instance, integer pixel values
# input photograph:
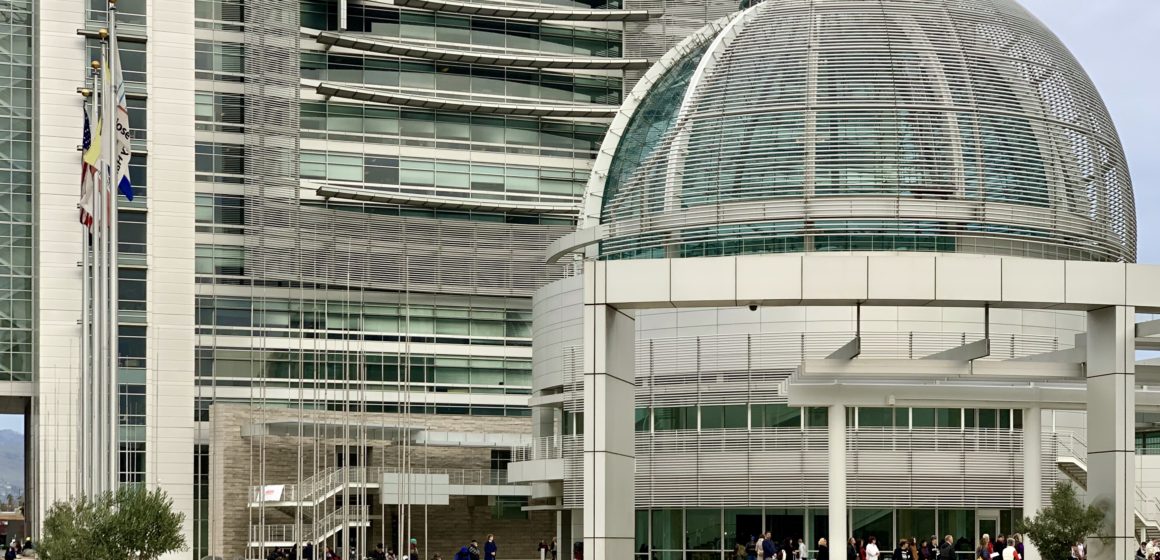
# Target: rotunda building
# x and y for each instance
(943, 137)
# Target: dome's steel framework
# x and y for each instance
(817, 125)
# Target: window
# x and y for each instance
(131, 405)
(131, 462)
(642, 420)
(817, 417)
(131, 289)
(131, 231)
(220, 260)
(509, 507)
(776, 416)
(948, 418)
(677, 418)
(875, 417)
(703, 529)
(131, 346)
(216, 60)
(731, 417)
(225, 110)
(219, 158)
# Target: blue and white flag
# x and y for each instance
(123, 145)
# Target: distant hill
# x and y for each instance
(11, 463)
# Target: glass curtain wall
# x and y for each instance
(713, 533)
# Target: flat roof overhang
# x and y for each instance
(948, 383)
(400, 99)
(872, 279)
(489, 57)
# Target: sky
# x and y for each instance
(1117, 42)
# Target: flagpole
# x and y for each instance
(97, 290)
(117, 87)
(85, 400)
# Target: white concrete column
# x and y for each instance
(609, 436)
(1032, 470)
(1111, 411)
(838, 527)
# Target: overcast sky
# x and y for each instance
(1118, 43)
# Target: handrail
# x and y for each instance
(548, 447)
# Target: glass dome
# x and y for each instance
(872, 125)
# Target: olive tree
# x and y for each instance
(1062, 524)
(131, 523)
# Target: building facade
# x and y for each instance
(340, 215)
(785, 152)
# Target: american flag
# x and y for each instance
(88, 176)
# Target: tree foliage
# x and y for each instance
(129, 524)
(1062, 524)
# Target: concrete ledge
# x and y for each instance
(878, 279)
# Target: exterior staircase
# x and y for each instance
(1071, 459)
(312, 497)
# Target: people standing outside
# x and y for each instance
(946, 551)
(751, 548)
(984, 550)
(769, 550)
(1009, 552)
(852, 549)
(872, 552)
(552, 548)
(473, 550)
(823, 549)
(901, 552)
(490, 548)
(803, 552)
(413, 553)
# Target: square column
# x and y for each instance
(838, 527)
(609, 433)
(1032, 471)
(1111, 424)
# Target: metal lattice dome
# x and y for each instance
(860, 125)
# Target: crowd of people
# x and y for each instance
(471, 551)
(765, 547)
(16, 548)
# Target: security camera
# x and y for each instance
(753, 307)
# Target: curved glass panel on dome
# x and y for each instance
(652, 119)
(927, 125)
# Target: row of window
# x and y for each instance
(369, 367)
(751, 416)
(446, 177)
(368, 317)
(483, 32)
(822, 235)
(459, 79)
(201, 408)
(370, 121)
(225, 15)
(230, 210)
(680, 534)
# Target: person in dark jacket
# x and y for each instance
(473, 550)
(946, 551)
(902, 551)
(463, 554)
(823, 550)
(751, 548)
(852, 549)
(768, 548)
(490, 549)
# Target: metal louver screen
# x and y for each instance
(397, 253)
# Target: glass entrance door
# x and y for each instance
(987, 523)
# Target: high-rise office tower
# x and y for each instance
(325, 278)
